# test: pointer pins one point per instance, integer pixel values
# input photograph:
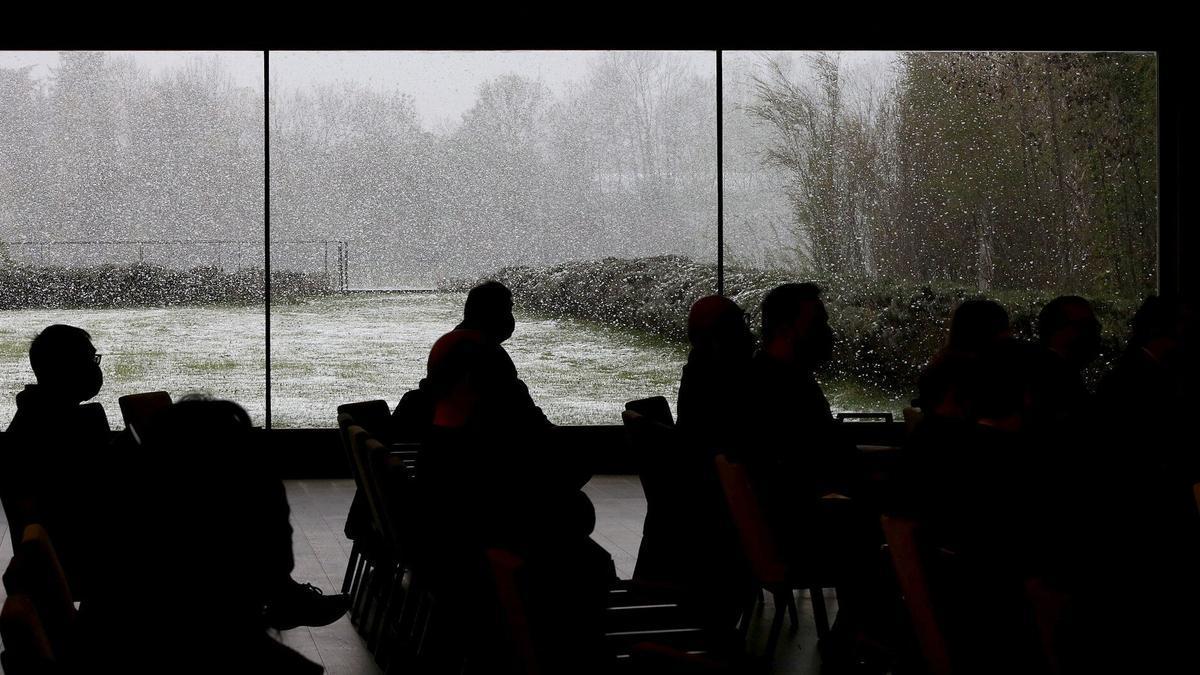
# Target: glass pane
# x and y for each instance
(131, 205)
(904, 182)
(586, 181)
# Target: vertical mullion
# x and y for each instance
(720, 181)
(267, 224)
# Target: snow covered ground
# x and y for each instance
(340, 349)
(352, 348)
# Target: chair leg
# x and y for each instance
(776, 626)
(361, 595)
(351, 569)
(747, 611)
(820, 616)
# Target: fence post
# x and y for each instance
(345, 266)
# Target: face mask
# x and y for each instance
(90, 382)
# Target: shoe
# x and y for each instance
(304, 605)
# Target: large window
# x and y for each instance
(545, 170)
(131, 205)
(906, 181)
(132, 188)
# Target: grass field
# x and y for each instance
(339, 349)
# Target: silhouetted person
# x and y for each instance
(489, 477)
(975, 325)
(52, 466)
(977, 481)
(1144, 464)
(795, 457)
(790, 416)
(199, 542)
(689, 541)
(715, 375)
(1069, 335)
(488, 310)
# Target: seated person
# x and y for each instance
(488, 310)
(204, 543)
(1069, 335)
(975, 325)
(1143, 465)
(689, 541)
(49, 470)
(715, 375)
(487, 478)
(982, 486)
(795, 458)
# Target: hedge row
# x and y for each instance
(884, 332)
(141, 285)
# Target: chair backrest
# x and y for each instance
(758, 543)
(138, 409)
(912, 417)
(374, 416)
(27, 649)
(659, 467)
(506, 567)
(35, 572)
(358, 442)
(656, 408)
(392, 477)
(654, 448)
(901, 535)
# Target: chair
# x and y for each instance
(901, 535)
(912, 417)
(370, 415)
(27, 649)
(36, 573)
(656, 408)
(645, 650)
(374, 416)
(138, 409)
(385, 474)
(763, 556)
(391, 478)
(687, 535)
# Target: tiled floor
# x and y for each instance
(321, 550)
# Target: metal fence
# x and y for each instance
(329, 256)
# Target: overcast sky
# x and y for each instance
(443, 84)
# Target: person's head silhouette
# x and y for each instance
(717, 330)
(795, 325)
(489, 310)
(1068, 327)
(977, 324)
(1161, 328)
(66, 364)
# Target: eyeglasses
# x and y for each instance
(96, 358)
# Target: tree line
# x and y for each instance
(983, 170)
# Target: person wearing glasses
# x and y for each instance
(46, 471)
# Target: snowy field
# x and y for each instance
(340, 349)
(336, 350)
